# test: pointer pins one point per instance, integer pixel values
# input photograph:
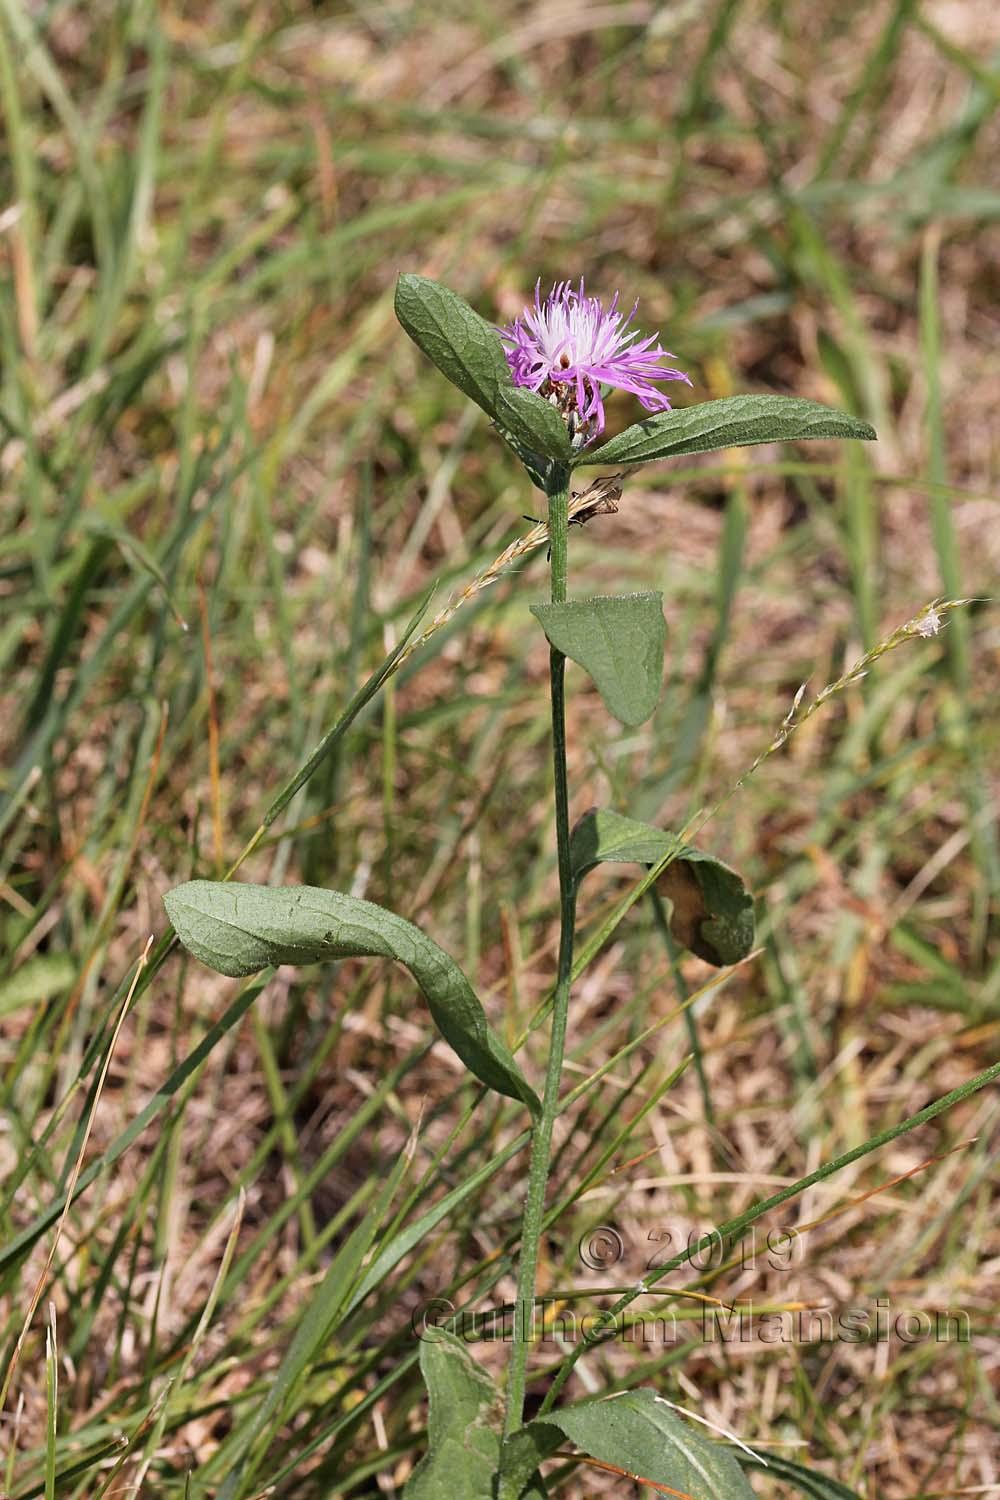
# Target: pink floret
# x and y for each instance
(570, 340)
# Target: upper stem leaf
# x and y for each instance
(619, 640)
(733, 422)
(468, 351)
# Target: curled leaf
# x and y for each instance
(239, 929)
(712, 914)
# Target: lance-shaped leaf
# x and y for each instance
(239, 929)
(464, 1423)
(733, 422)
(618, 639)
(640, 1433)
(712, 912)
(468, 351)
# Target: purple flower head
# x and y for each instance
(568, 346)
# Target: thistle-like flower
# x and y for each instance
(568, 346)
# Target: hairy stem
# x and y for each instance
(541, 1141)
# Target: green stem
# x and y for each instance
(541, 1140)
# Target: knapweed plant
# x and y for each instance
(542, 381)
